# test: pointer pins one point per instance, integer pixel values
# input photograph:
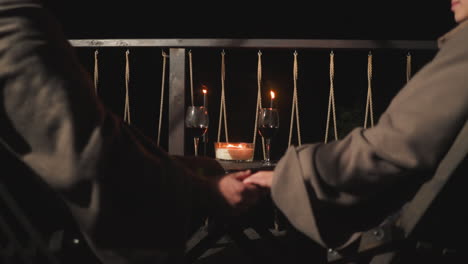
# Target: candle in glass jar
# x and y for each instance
(234, 151)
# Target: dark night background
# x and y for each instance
(309, 19)
(379, 20)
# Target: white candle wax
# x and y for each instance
(234, 152)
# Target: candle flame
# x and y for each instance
(272, 94)
(234, 146)
(204, 91)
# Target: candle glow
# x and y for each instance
(272, 94)
(234, 151)
(204, 91)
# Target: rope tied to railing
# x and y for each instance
(96, 71)
(161, 103)
(295, 104)
(408, 66)
(191, 93)
(331, 99)
(259, 101)
(369, 107)
(191, 76)
(127, 83)
(222, 106)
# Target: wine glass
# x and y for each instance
(196, 122)
(268, 126)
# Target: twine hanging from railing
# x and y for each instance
(96, 71)
(259, 102)
(331, 99)
(295, 107)
(191, 93)
(369, 107)
(127, 83)
(222, 106)
(191, 76)
(408, 66)
(161, 104)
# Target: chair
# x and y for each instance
(35, 224)
(431, 227)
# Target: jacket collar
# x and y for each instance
(441, 41)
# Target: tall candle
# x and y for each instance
(272, 98)
(204, 96)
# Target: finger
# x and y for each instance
(251, 186)
(241, 175)
(261, 179)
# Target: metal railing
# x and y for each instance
(177, 65)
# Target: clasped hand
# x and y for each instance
(243, 189)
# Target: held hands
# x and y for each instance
(238, 195)
(243, 189)
(262, 179)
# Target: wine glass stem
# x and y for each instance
(267, 151)
(195, 144)
(276, 219)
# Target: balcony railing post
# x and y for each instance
(176, 104)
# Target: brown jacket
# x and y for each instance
(331, 192)
(128, 196)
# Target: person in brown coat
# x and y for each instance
(331, 192)
(131, 199)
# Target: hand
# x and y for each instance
(238, 195)
(262, 178)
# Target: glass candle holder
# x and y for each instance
(234, 151)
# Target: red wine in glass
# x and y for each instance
(197, 131)
(268, 125)
(267, 131)
(196, 123)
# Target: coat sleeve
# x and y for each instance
(332, 191)
(124, 191)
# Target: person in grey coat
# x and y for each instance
(132, 200)
(332, 192)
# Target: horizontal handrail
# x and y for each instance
(260, 43)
